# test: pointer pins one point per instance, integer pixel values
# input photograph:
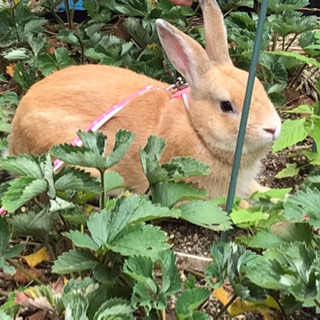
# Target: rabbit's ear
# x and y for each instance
(215, 32)
(187, 55)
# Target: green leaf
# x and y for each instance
(38, 225)
(167, 194)
(304, 207)
(14, 251)
(22, 190)
(263, 239)
(17, 54)
(292, 131)
(150, 160)
(292, 268)
(124, 139)
(140, 239)
(81, 240)
(112, 181)
(290, 171)
(5, 316)
(114, 309)
(5, 235)
(298, 56)
(245, 218)
(94, 141)
(206, 214)
(70, 178)
(105, 227)
(6, 267)
(189, 300)
(22, 165)
(171, 280)
(79, 156)
(304, 109)
(74, 261)
(291, 232)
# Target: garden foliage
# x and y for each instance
(119, 263)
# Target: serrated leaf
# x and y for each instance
(304, 207)
(70, 178)
(298, 56)
(206, 214)
(124, 139)
(148, 241)
(106, 226)
(94, 141)
(74, 261)
(114, 309)
(292, 131)
(22, 165)
(189, 300)
(171, 280)
(78, 156)
(167, 194)
(304, 109)
(59, 204)
(182, 167)
(81, 240)
(244, 218)
(150, 160)
(22, 190)
(38, 225)
(263, 239)
(290, 170)
(47, 170)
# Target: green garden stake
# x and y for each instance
(245, 111)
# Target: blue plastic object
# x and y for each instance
(78, 6)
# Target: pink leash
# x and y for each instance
(105, 117)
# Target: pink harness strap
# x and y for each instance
(105, 117)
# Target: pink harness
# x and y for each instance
(105, 117)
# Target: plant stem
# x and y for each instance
(103, 193)
(49, 248)
(189, 25)
(317, 303)
(280, 307)
(297, 75)
(26, 272)
(163, 314)
(290, 43)
(57, 17)
(234, 297)
(66, 4)
(306, 80)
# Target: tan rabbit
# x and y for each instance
(55, 108)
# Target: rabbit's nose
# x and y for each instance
(269, 130)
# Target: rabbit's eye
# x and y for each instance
(226, 106)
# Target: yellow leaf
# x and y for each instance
(240, 306)
(9, 70)
(37, 257)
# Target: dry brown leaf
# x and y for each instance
(20, 277)
(57, 287)
(41, 303)
(36, 258)
(39, 315)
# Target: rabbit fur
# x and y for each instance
(56, 107)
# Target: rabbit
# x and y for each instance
(56, 107)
